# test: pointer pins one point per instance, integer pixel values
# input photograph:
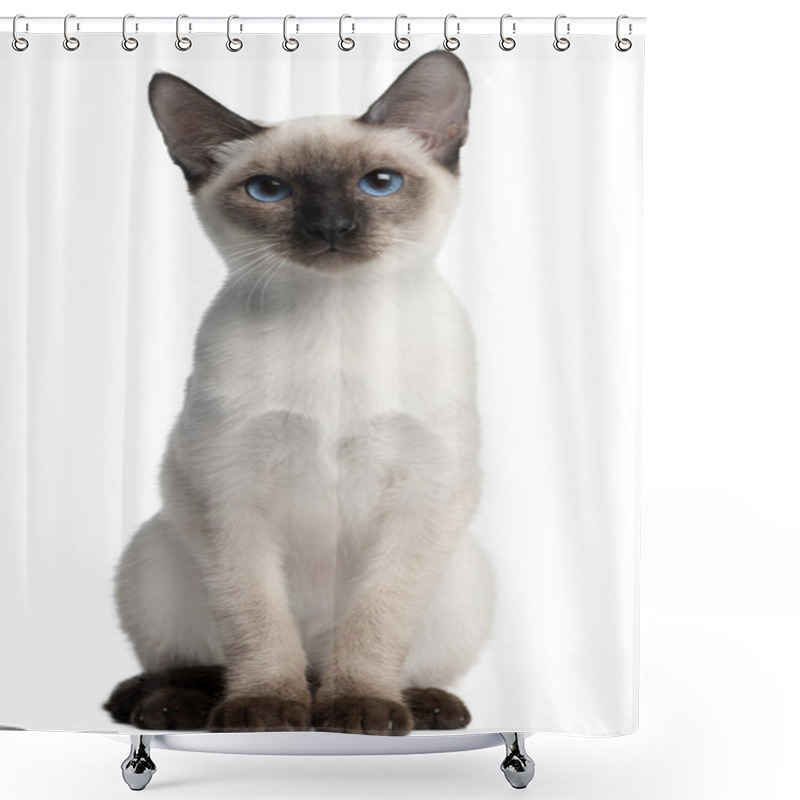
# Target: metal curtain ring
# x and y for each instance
(19, 43)
(233, 44)
(289, 44)
(561, 43)
(451, 42)
(623, 45)
(70, 42)
(401, 42)
(182, 42)
(506, 42)
(129, 43)
(345, 42)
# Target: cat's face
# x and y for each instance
(326, 193)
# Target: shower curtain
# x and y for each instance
(475, 215)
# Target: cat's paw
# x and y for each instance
(126, 696)
(130, 694)
(353, 714)
(173, 708)
(260, 713)
(435, 709)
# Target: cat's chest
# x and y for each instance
(333, 368)
(339, 362)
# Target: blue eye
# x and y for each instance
(381, 182)
(267, 189)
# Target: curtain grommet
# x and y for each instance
(129, 43)
(451, 42)
(19, 43)
(561, 43)
(346, 43)
(623, 44)
(183, 43)
(401, 43)
(507, 42)
(289, 44)
(71, 43)
(233, 44)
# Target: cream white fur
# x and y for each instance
(320, 478)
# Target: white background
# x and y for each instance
(721, 440)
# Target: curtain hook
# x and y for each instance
(561, 43)
(623, 45)
(345, 42)
(129, 43)
(182, 42)
(289, 44)
(451, 42)
(233, 44)
(506, 42)
(70, 42)
(19, 43)
(401, 42)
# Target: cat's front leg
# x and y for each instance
(266, 686)
(266, 665)
(423, 497)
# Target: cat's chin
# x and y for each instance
(332, 261)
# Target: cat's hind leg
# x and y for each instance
(164, 611)
(449, 639)
(162, 601)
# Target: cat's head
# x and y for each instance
(325, 193)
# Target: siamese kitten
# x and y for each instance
(310, 566)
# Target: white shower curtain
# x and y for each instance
(106, 273)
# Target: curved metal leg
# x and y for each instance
(138, 768)
(517, 766)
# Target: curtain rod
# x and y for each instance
(323, 25)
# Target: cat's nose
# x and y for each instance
(330, 231)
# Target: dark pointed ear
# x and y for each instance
(431, 98)
(193, 124)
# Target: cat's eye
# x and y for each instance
(267, 189)
(381, 182)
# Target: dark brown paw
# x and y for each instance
(172, 708)
(126, 696)
(131, 693)
(373, 715)
(435, 709)
(260, 714)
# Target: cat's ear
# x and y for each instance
(431, 98)
(193, 124)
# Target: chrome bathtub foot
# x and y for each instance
(517, 766)
(138, 768)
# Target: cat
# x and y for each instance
(310, 566)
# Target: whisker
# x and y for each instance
(241, 276)
(266, 285)
(265, 276)
(242, 247)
